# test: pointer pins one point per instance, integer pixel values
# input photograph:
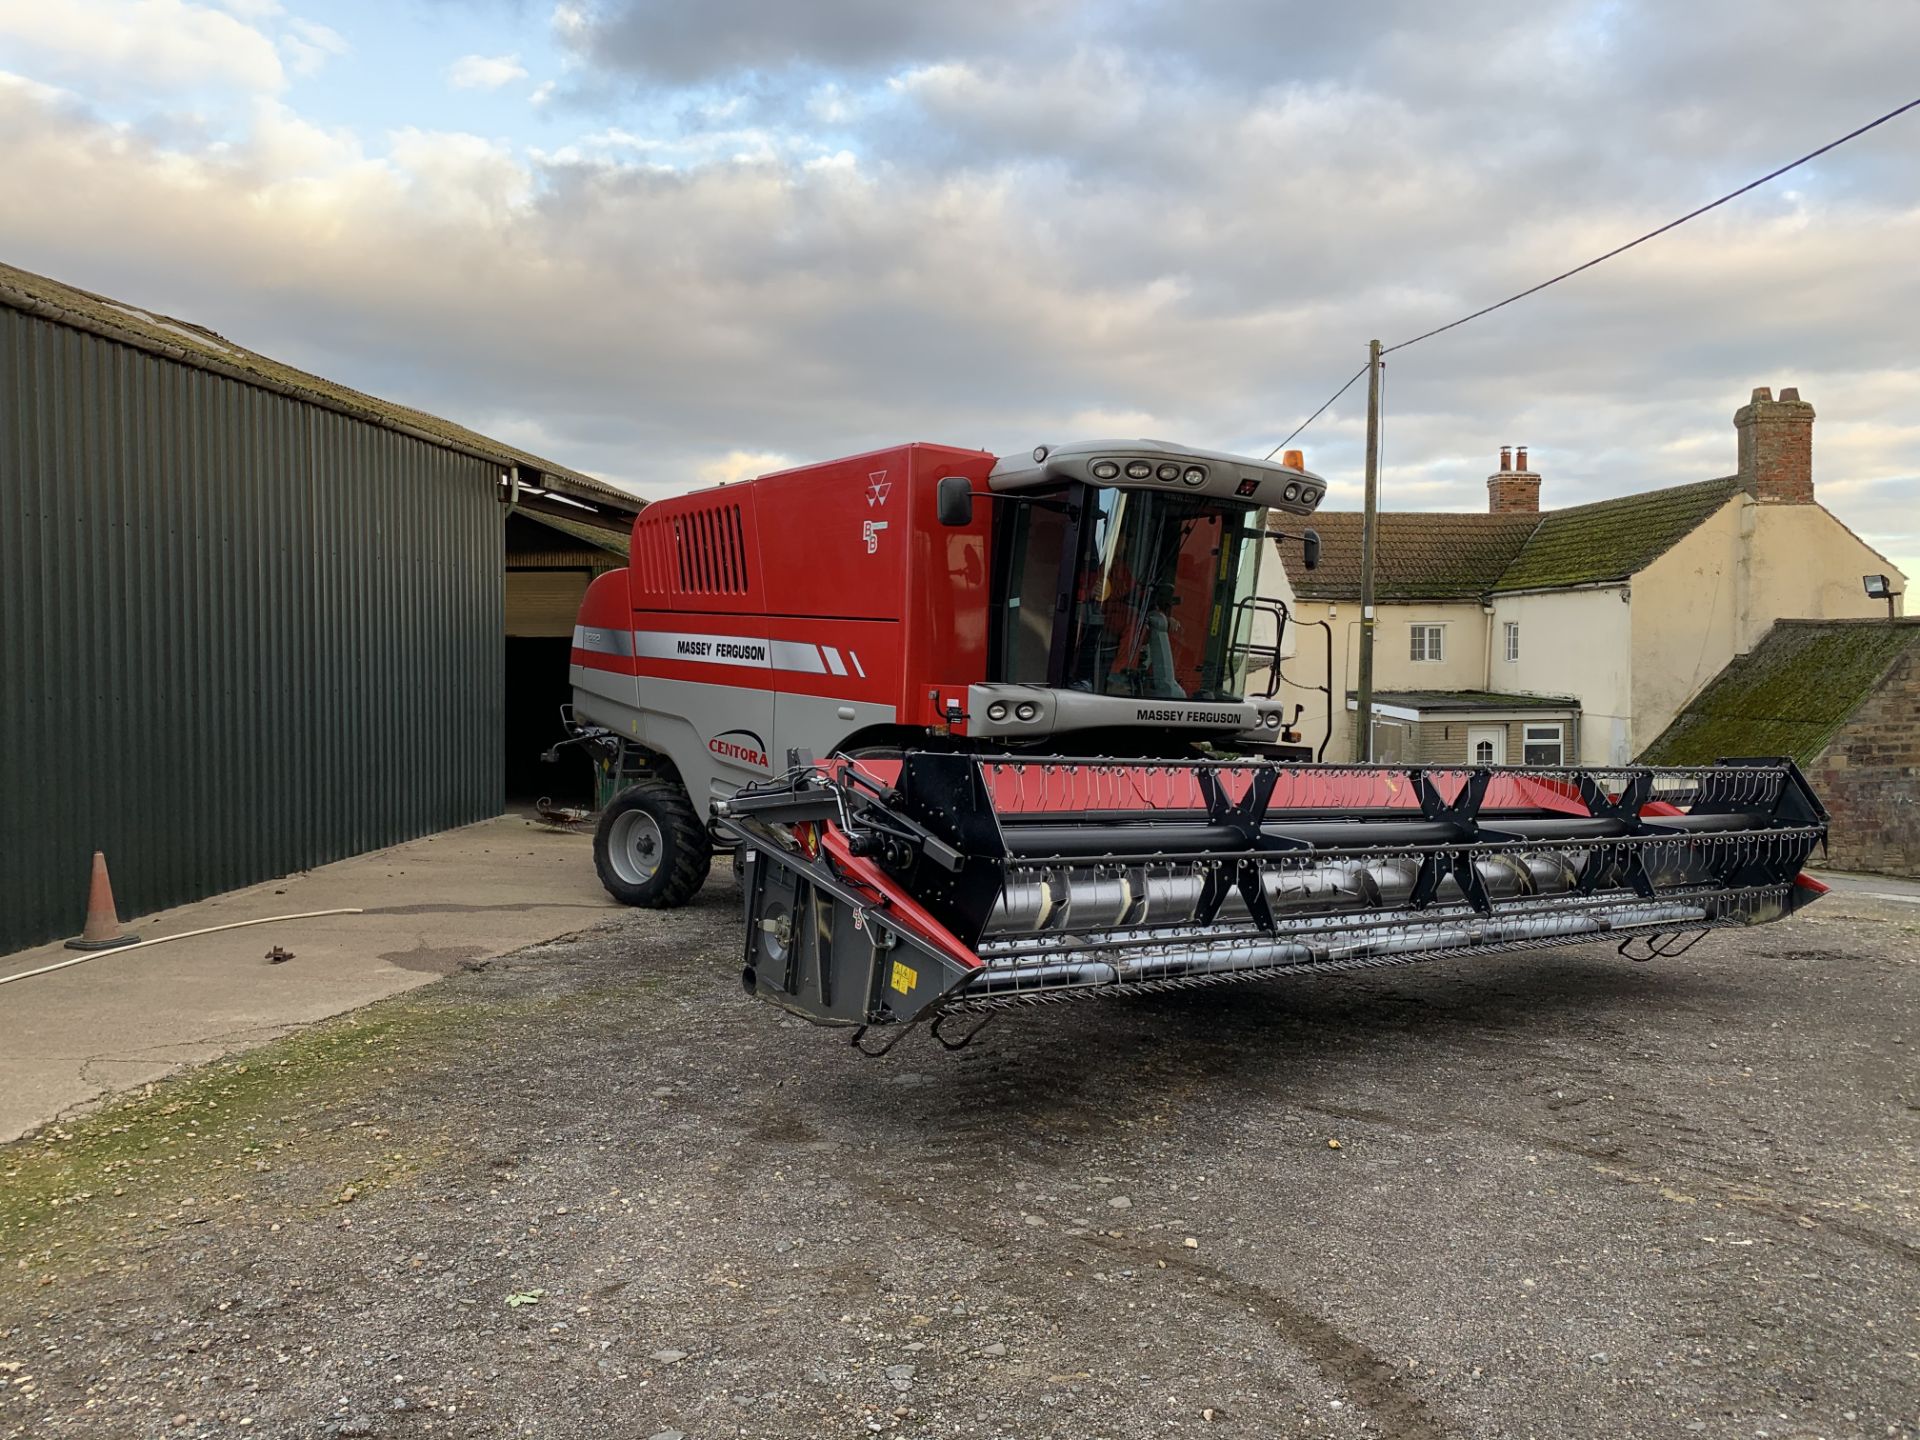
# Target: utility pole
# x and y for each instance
(1368, 525)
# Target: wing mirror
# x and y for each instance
(1309, 545)
(953, 500)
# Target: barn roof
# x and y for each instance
(191, 344)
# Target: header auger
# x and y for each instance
(1044, 772)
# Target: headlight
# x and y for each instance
(1309, 496)
(1027, 710)
(1292, 492)
(1105, 470)
(1138, 470)
(1272, 718)
(1194, 475)
(997, 711)
(1040, 453)
(1169, 472)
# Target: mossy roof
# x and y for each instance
(191, 344)
(1788, 695)
(1421, 556)
(1443, 555)
(1612, 539)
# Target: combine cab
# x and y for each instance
(943, 629)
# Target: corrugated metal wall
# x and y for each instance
(240, 635)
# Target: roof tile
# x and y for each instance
(1788, 695)
(1450, 555)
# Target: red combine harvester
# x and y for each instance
(869, 675)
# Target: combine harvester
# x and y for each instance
(868, 677)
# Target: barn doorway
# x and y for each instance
(550, 563)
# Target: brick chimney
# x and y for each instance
(1513, 489)
(1776, 447)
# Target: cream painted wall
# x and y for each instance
(1686, 617)
(1718, 591)
(1573, 642)
(1633, 665)
(1393, 666)
(1807, 566)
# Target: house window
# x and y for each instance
(1544, 745)
(1483, 752)
(1429, 642)
(1513, 640)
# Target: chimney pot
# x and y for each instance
(1762, 392)
(1520, 458)
(1506, 457)
(1791, 393)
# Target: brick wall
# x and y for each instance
(1869, 777)
(1511, 493)
(1776, 447)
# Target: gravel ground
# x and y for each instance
(592, 1190)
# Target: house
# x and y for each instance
(1842, 697)
(252, 620)
(1534, 636)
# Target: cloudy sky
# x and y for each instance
(668, 242)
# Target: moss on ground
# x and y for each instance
(184, 1148)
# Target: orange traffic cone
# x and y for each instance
(103, 930)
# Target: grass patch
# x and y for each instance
(186, 1148)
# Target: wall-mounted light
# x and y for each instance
(1880, 587)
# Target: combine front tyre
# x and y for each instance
(650, 848)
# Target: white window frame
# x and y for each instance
(1427, 643)
(1544, 733)
(1513, 641)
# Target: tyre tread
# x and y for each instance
(689, 848)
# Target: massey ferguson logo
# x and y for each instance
(877, 488)
(1189, 717)
(743, 747)
(749, 652)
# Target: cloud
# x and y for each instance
(115, 47)
(737, 465)
(309, 46)
(991, 235)
(673, 41)
(485, 72)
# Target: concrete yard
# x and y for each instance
(589, 1189)
(429, 906)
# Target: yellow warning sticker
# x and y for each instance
(905, 977)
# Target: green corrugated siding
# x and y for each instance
(240, 635)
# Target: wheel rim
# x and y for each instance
(635, 847)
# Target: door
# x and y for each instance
(1486, 744)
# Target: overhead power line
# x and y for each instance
(1617, 250)
(1318, 413)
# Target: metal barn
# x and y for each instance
(250, 621)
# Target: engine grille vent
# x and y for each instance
(694, 552)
